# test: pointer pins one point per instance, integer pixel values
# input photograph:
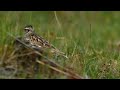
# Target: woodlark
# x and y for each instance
(38, 42)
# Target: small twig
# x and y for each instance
(3, 56)
(57, 19)
(15, 56)
(64, 71)
(74, 49)
(90, 33)
(56, 69)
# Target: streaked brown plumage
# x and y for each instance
(37, 41)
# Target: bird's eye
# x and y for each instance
(28, 30)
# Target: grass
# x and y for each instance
(92, 51)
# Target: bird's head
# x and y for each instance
(28, 28)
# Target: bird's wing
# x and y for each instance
(46, 44)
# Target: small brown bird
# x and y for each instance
(36, 41)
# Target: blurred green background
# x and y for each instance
(90, 38)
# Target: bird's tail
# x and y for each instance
(58, 52)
